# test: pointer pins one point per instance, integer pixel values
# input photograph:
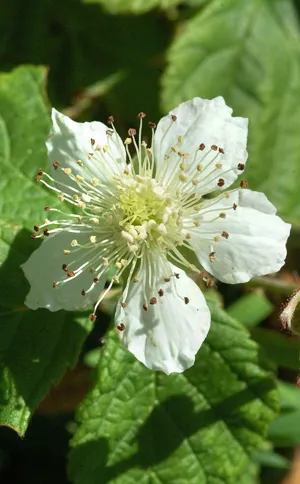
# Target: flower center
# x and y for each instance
(145, 212)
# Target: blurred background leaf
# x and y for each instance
(249, 52)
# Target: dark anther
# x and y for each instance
(39, 175)
(176, 275)
(186, 300)
(202, 147)
(64, 267)
(46, 232)
(123, 304)
(221, 182)
(56, 165)
(145, 307)
(241, 166)
(92, 141)
(83, 292)
(153, 301)
(214, 147)
(109, 132)
(174, 117)
(166, 279)
(225, 234)
(54, 284)
(71, 274)
(95, 280)
(92, 317)
(210, 283)
(152, 125)
(160, 292)
(36, 228)
(221, 151)
(243, 184)
(234, 206)
(33, 236)
(47, 208)
(121, 327)
(110, 120)
(141, 115)
(132, 132)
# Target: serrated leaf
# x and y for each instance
(134, 6)
(199, 426)
(224, 50)
(36, 347)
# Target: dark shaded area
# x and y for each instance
(40, 457)
(82, 45)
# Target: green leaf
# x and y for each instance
(251, 309)
(224, 50)
(282, 350)
(200, 426)
(134, 6)
(285, 430)
(36, 347)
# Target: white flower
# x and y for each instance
(143, 215)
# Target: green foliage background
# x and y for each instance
(233, 417)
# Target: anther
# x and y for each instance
(71, 274)
(65, 267)
(212, 257)
(186, 300)
(145, 307)
(132, 132)
(221, 151)
(56, 165)
(39, 175)
(121, 327)
(176, 275)
(223, 215)
(67, 171)
(214, 148)
(174, 117)
(110, 120)
(92, 317)
(234, 206)
(221, 182)
(141, 115)
(92, 141)
(152, 125)
(95, 280)
(123, 304)
(217, 238)
(33, 236)
(46, 232)
(83, 292)
(79, 162)
(36, 228)
(225, 234)
(243, 184)
(109, 132)
(54, 284)
(210, 283)
(160, 292)
(153, 301)
(167, 279)
(241, 166)
(202, 147)
(47, 208)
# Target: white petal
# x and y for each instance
(201, 121)
(69, 142)
(257, 237)
(168, 335)
(45, 266)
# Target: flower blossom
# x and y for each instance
(143, 213)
